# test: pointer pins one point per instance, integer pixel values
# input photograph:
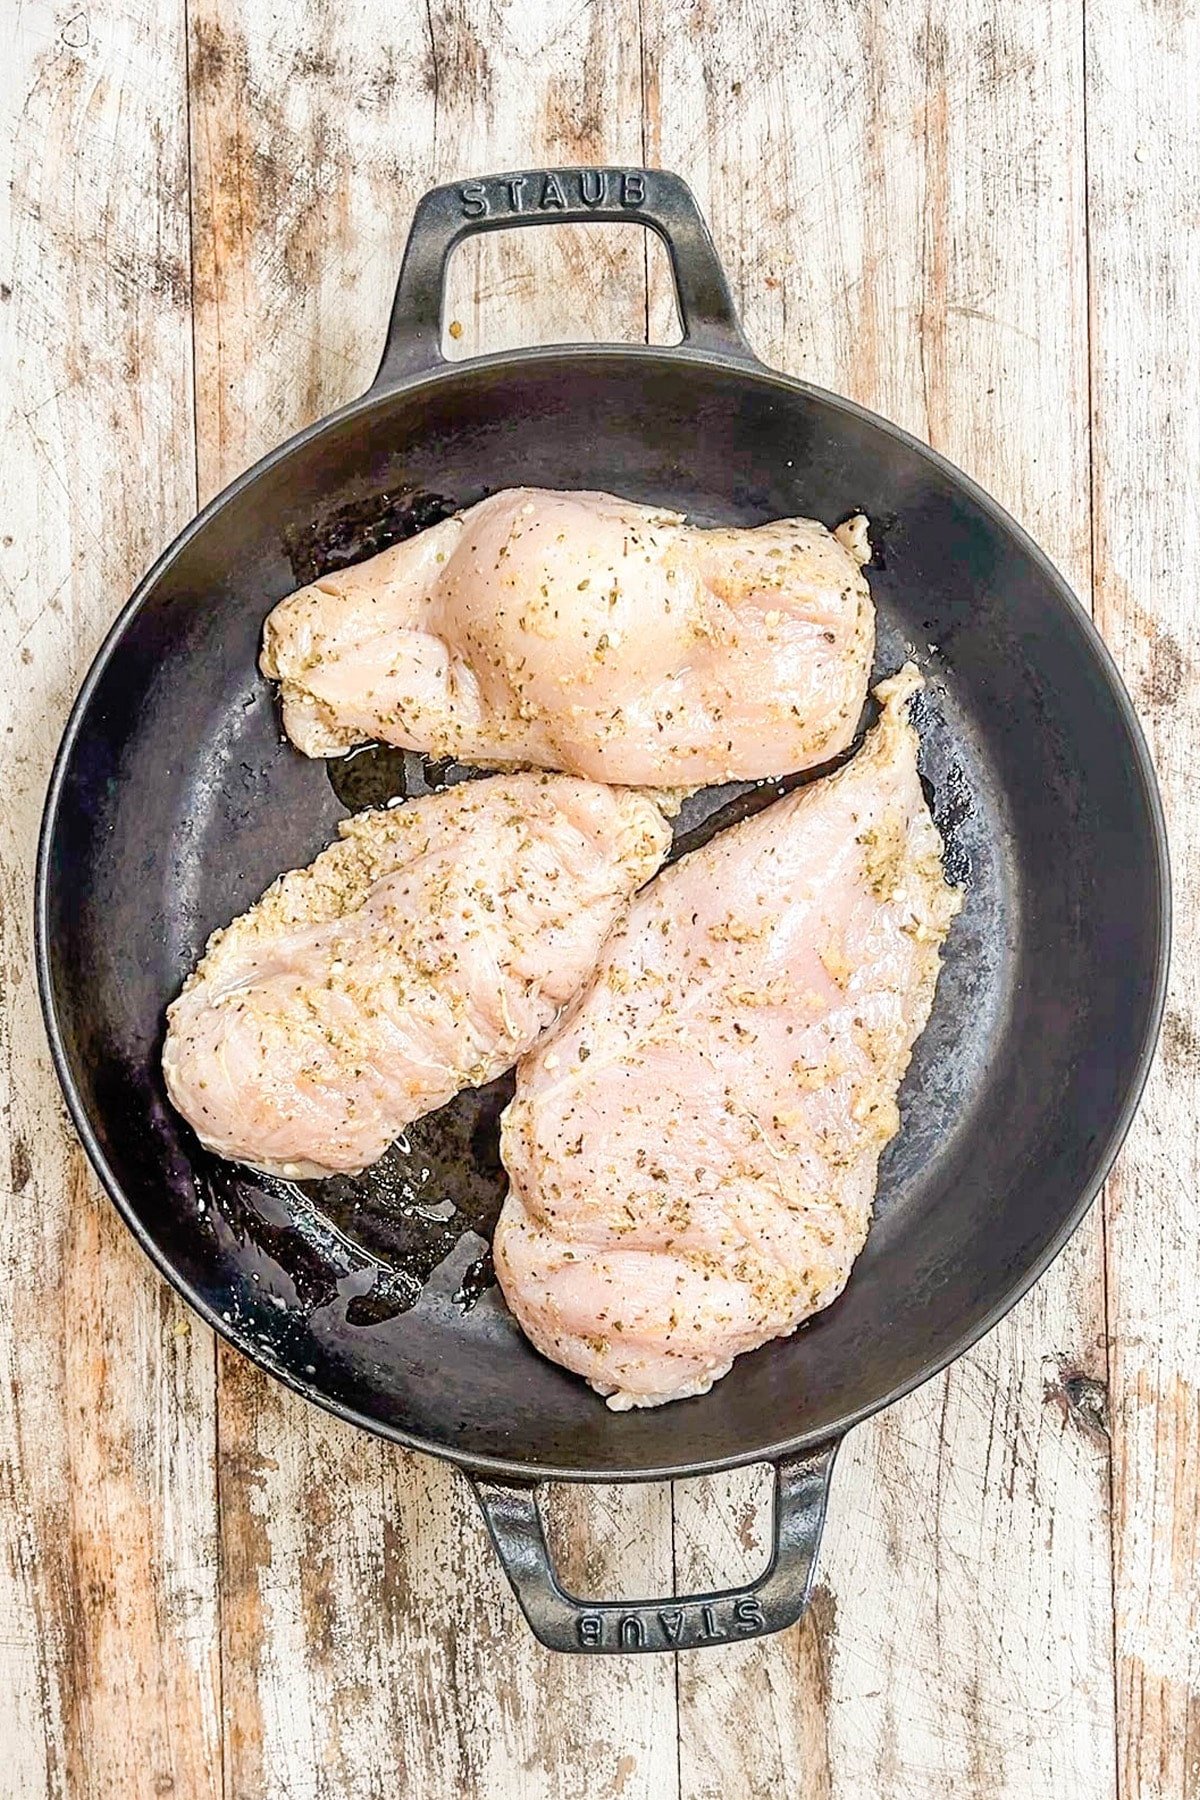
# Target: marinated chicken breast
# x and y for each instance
(693, 1152)
(581, 632)
(419, 955)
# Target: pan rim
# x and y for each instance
(513, 362)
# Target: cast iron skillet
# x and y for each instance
(174, 802)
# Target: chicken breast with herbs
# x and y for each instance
(421, 954)
(693, 1152)
(581, 632)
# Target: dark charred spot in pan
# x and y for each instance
(361, 529)
(478, 1277)
(952, 805)
(947, 789)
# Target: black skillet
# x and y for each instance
(174, 802)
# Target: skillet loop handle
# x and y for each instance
(650, 197)
(562, 1622)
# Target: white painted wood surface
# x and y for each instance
(109, 1666)
(1143, 145)
(980, 221)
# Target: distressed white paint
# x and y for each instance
(900, 198)
(1142, 156)
(109, 1678)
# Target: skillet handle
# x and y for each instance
(683, 1622)
(651, 197)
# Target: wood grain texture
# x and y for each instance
(310, 134)
(109, 1682)
(899, 197)
(1145, 260)
(520, 86)
(904, 203)
(371, 1643)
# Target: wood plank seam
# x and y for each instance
(215, 1346)
(1102, 1197)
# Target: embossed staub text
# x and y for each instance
(553, 190)
(671, 1627)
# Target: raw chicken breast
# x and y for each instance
(419, 955)
(585, 633)
(693, 1152)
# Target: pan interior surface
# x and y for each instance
(177, 802)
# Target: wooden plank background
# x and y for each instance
(981, 221)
